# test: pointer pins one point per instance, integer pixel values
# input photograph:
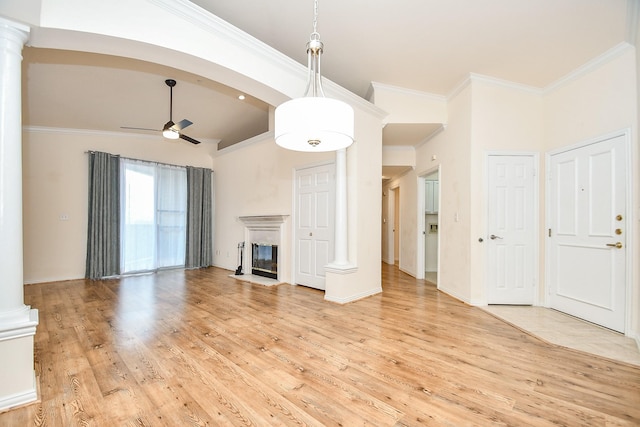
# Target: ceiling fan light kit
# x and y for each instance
(169, 133)
(314, 123)
(171, 130)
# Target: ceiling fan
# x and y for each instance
(170, 129)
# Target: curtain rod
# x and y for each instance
(141, 160)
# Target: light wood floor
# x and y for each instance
(199, 348)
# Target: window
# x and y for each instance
(153, 216)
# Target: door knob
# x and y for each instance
(494, 237)
(615, 245)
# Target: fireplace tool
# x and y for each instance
(240, 251)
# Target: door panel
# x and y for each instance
(587, 272)
(314, 224)
(511, 258)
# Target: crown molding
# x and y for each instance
(95, 132)
(432, 135)
(474, 77)
(586, 68)
(402, 90)
(590, 66)
(398, 148)
(504, 83)
(266, 136)
(462, 85)
(222, 29)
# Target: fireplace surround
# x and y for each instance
(264, 240)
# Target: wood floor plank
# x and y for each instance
(199, 348)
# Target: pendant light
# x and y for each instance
(314, 123)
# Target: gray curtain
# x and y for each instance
(103, 231)
(199, 239)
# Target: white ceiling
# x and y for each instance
(424, 45)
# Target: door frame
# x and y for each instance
(422, 226)
(294, 211)
(626, 134)
(391, 217)
(536, 218)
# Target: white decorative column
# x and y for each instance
(17, 321)
(341, 263)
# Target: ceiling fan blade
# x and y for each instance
(188, 138)
(181, 124)
(135, 128)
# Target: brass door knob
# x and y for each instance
(615, 245)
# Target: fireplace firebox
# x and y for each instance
(264, 261)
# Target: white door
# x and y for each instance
(510, 242)
(315, 216)
(587, 234)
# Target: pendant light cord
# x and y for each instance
(315, 16)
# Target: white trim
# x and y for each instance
(633, 12)
(220, 28)
(455, 295)
(22, 398)
(471, 77)
(269, 135)
(94, 132)
(341, 269)
(458, 88)
(442, 128)
(355, 297)
(584, 69)
(588, 67)
(629, 295)
(422, 226)
(504, 83)
(398, 148)
(406, 91)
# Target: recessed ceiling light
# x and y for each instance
(240, 97)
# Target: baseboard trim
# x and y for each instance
(24, 398)
(354, 297)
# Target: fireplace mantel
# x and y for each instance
(263, 220)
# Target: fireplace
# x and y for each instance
(265, 252)
(264, 260)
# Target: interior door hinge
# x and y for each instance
(549, 232)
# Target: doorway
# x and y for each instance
(396, 226)
(314, 223)
(431, 222)
(588, 211)
(428, 238)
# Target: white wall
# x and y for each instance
(451, 149)
(504, 118)
(364, 169)
(255, 180)
(602, 101)
(487, 115)
(55, 169)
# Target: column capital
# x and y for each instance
(19, 31)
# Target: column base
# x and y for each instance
(341, 268)
(19, 385)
